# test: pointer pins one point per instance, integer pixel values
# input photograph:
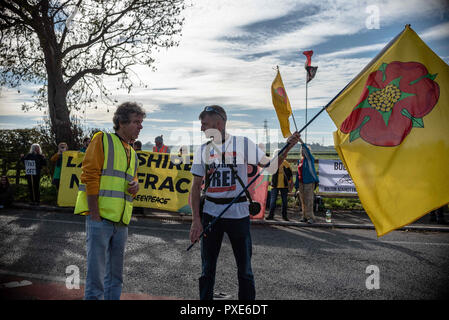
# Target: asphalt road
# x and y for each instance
(289, 263)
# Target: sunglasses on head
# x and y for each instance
(212, 109)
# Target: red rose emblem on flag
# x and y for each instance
(395, 99)
(280, 91)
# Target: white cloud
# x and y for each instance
(164, 120)
(437, 32)
(350, 51)
(11, 101)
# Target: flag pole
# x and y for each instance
(306, 108)
(293, 117)
(285, 146)
(209, 226)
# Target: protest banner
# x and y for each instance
(258, 190)
(70, 175)
(334, 178)
(164, 182)
(30, 167)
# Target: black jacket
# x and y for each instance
(38, 159)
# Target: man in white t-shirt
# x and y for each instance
(223, 152)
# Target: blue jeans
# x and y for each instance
(105, 252)
(238, 231)
(273, 197)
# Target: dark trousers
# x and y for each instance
(33, 187)
(274, 195)
(238, 231)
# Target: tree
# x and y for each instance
(68, 47)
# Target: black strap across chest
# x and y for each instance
(234, 172)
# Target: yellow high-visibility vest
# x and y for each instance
(114, 201)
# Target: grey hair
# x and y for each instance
(123, 112)
(33, 146)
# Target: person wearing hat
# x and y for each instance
(160, 147)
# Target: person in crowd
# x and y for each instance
(56, 159)
(137, 145)
(281, 182)
(306, 181)
(6, 193)
(224, 154)
(108, 184)
(183, 151)
(160, 146)
(86, 142)
(34, 161)
(437, 216)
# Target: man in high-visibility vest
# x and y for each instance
(105, 196)
(160, 146)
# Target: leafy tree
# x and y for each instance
(68, 47)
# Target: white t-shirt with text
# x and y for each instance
(236, 150)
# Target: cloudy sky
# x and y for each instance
(227, 55)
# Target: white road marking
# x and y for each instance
(34, 276)
(403, 242)
(16, 284)
(82, 223)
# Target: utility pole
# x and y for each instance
(267, 137)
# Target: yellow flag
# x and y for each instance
(281, 104)
(393, 132)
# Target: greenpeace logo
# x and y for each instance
(151, 199)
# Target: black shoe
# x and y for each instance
(303, 220)
(285, 218)
(270, 217)
(310, 221)
(222, 296)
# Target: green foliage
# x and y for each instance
(49, 143)
(18, 140)
(342, 204)
(15, 142)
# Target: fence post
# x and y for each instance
(17, 172)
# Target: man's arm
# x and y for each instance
(291, 142)
(195, 192)
(92, 203)
(91, 172)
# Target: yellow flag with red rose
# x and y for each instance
(281, 104)
(393, 132)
